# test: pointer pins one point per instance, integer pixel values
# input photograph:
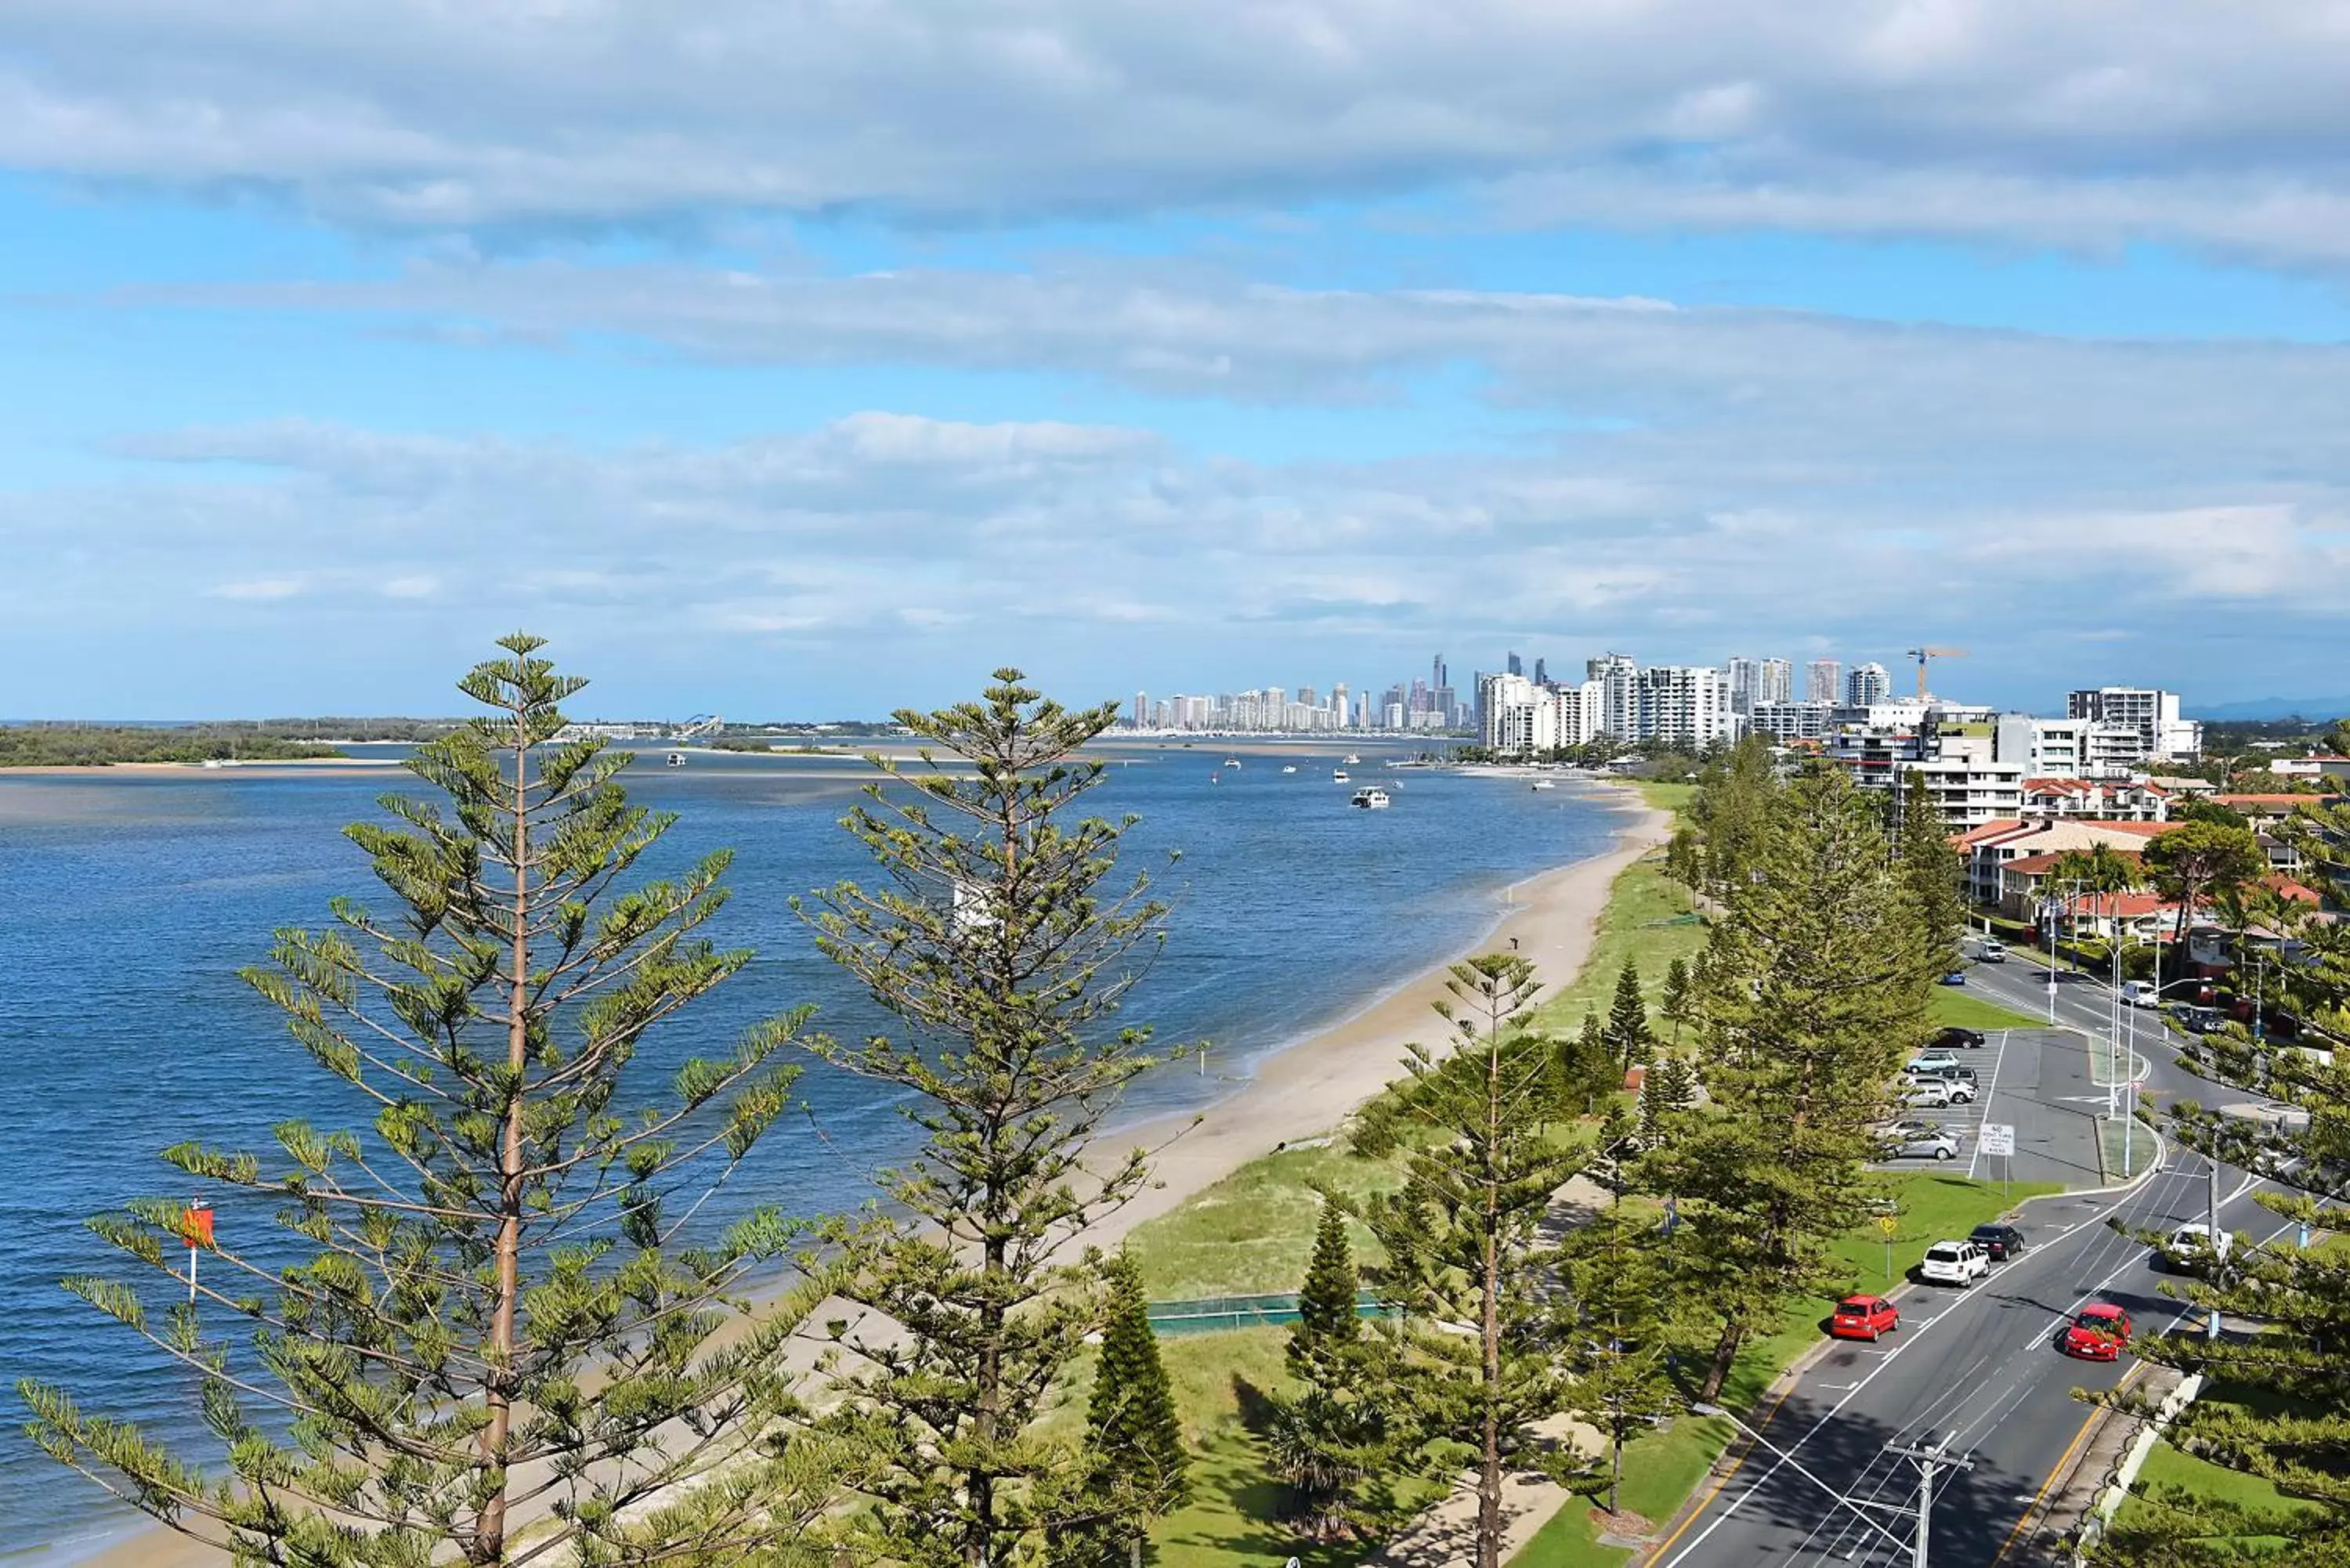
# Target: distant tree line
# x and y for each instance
(89, 746)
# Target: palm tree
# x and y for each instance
(2100, 869)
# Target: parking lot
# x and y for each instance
(2039, 1082)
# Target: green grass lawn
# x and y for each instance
(1252, 1232)
(1647, 920)
(1953, 1005)
(2169, 1467)
(1229, 1522)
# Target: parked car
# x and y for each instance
(1956, 977)
(2097, 1333)
(2192, 1250)
(1863, 1317)
(1954, 1264)
(1934, 1093)
(1938, 1063)
(1956, 1038)
(2005, 1243)
(1927, 1142)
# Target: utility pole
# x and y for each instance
(2211, 1243)
(1932, 1458)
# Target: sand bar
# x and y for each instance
(1299, 1092)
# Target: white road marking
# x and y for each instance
(1991, 1092)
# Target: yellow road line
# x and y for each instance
(2058, 1470)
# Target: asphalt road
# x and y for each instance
(1976, 1368)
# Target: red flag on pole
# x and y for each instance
(196, 1223)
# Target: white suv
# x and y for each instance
(1954, 1264)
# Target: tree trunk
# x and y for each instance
(1725, 1352)
(489, 1545)
(1489, 1480)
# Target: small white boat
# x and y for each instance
(1337, 775)
(677, 759)
(1371, 797)
(1352, 759)
(1232, 762)
(1290, 769)
(1544, 783)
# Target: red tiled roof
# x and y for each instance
(2036, 864)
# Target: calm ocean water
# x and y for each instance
(129, 901)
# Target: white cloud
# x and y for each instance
(1676, 542)
(2222, 125)
(258, 589)
(1776, 395)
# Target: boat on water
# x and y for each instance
(1215, 778)
(1544, 783)
(1337, 775)
(1371, 797)
(1352, 759)
(1232, 762)
(1290, 769)
(677, 759)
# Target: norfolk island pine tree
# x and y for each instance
(496, 1323)
(1329, 1442)
(1819, 973)
(1000, 944)
(1137, 1469)
(1462, 1236)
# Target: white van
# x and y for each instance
(1992, 952)
(2141, 993)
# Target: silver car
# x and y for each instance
(1917, 1142)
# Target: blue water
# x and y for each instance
(128, 902)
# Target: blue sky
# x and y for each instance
(810, 359)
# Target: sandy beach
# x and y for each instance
(1299, 1092)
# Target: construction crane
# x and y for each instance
(1922, 654)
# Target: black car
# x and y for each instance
(1955, 1037)
(2003, 1242)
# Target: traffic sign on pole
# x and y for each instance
(1998, 1138)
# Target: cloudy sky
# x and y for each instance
(814, 356)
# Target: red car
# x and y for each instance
(2098, 1334)
(1863, 1317)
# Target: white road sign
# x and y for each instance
(1997, 1137)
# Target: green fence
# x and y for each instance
(1242, 1312)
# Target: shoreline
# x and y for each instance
(1298, 1090)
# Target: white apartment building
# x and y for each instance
(1793, 721)
(1619, 710)
(1519, 716)
(1684, 704)
(1867, 685)
(1824, 681)
(1965, 779)
(2151, 713)
(1745, 677)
